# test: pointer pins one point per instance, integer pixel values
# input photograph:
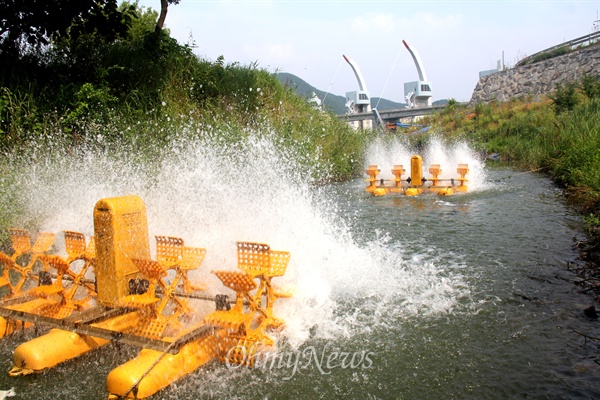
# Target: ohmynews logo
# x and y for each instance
(324, 361)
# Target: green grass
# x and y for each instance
(560, 134)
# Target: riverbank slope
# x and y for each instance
(141, 95)
(558, 133)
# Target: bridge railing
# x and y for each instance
(396, 114)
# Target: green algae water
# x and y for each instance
(429, 297)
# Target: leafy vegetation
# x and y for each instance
(30, 25)
(144, 79)
(560, 134)
(136, 91)
(546, 55)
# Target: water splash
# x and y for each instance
(213, 194)
(387, 153)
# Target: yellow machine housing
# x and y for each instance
(121, 232)
(416, 171)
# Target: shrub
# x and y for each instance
(565, 97)
(590, 86)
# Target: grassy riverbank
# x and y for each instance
(135, 97)
(559, 134)
(145, 98)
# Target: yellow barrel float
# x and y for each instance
(154, 370)
(50, 350)
(58, 346)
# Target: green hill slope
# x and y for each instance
(333, 102)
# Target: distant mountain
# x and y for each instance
(335, 103)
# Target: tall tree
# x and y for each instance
(164, 5)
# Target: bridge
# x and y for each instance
(392, 115)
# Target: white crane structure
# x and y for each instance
(417, 93)
(359, 100)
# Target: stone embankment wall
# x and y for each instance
(539, 78)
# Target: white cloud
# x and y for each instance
(279, 51)
(437, 22)
(369, 24)
(270, 53)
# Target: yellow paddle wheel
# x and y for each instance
(110, 289)
(416, 183)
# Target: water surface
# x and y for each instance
(431, 297)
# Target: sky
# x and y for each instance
(308, 38)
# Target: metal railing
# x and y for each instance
(589, 38)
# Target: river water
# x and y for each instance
(467, 296)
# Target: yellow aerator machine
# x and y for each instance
(416, 183)
(112, 290)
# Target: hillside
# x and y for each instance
(337, 104)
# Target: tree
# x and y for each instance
(34, 23)
(164, 5)
(144, 23)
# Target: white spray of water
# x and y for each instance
(214, 195)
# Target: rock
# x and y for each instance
(590, 312)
